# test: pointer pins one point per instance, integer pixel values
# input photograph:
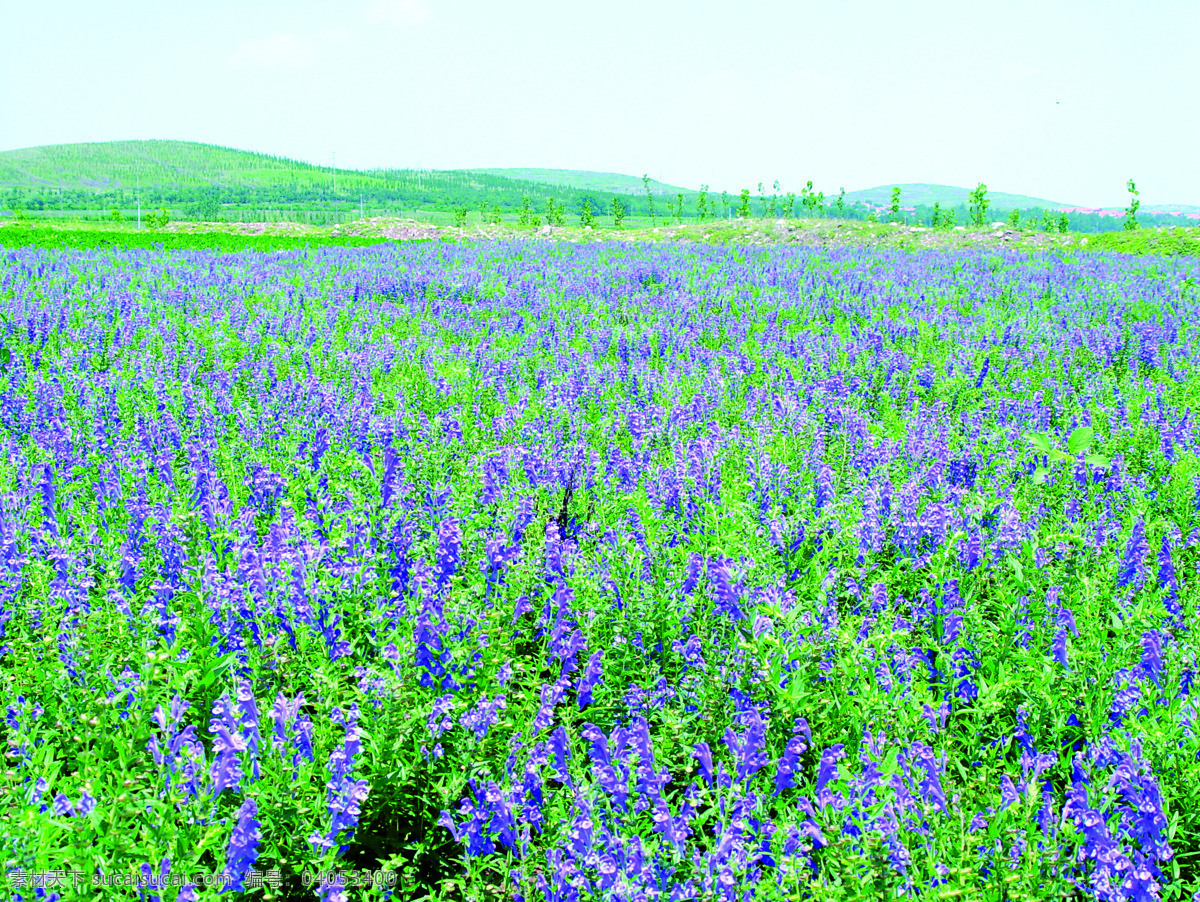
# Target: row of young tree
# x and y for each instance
(812, 204)
(487, 198)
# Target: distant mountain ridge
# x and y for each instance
(920, 194)
(586, 180)
(203, 180)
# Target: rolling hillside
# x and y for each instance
(583, 180)
(948, 196)
(150, 165)
(207, 182)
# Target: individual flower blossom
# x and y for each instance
(592, 676)
(827, 772)
(344, 794)
(788, 764)
(483, 716)
(748, 748)
(62, 806)
(439, 720)
(703, 755)
(1152, 662)
(1133, 571)
(242, 851)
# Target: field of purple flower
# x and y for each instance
(539, 571)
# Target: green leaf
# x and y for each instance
(1097, 460)
(1040, 442)
(216, 669)
(1080, 440)
(5, 356)
(1040, 474)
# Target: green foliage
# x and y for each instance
(811, 199)
(743, 210)
(587, 218)
(221, 242)
(978, 205)
(1172, 242)
(1064, 223)
(460, 217)
(675, 208)
(115, 215)
(618, 212)
(157, 219)
(895, 205)
(1014, 218)
(841, 203)
(556, 214)
(525, 218)
(649, 197)
(944, 219)
(702, 209)
(1078, 443)
(1131, 222)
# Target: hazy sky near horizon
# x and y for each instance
(1057, 99)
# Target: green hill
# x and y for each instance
(203, 181)
(207, 182)
(584, 180)
(150, 165)
(947, 196)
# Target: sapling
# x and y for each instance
(679, 209)
(1063, 223)
(810, 199)
(936, 222)
(744, 207)
(587, 219)
(789, 205)
(555, 213)
(841, 203)
(525, 213)
(1131, 222)
(1014, 219)
(979, 205)
(702, 203)
(460, 217)
(649, 196)
(618, 212)
(895, 204)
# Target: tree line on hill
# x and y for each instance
(472, 196)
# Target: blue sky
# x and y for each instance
(1062, 100)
